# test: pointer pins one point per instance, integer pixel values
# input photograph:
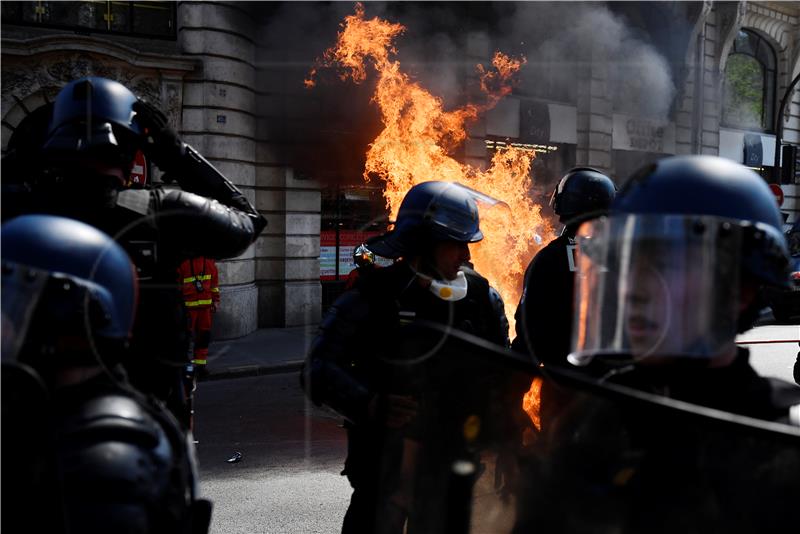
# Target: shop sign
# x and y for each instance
(643, 134)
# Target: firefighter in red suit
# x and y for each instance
(200, 285)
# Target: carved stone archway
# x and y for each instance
(34, 70)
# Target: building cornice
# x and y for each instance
(61, 43)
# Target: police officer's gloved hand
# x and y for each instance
(161, 143)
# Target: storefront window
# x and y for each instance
(749, 87)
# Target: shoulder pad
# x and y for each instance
(112, 417)
(112, 447)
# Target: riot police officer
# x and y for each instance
(82, 171)
(544, 314)
(414, 399)
(676, 431)
(83, 451)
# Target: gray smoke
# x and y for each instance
(561, 39)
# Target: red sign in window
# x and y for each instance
(329, 255)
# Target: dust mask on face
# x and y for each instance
(449, 290)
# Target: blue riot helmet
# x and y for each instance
(673, 270)
(67, 290)
(582, 191)
(430, 212)
(94, 117)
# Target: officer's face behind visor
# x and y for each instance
(655, 287)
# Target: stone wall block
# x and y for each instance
(710, 124)
(237, 315)
(216, 15)
(218, 94)
(599, 141)
(303, 200)
(303, 303)
(271, 154)
(236, 272)
(302, 223)
(270, 246)
(599, 159)
(15, 115)
(270, 200)
(600, 105)
(302, 269)
(272, 269)
(276, 224)
(711, 139)
(302, 247)
(224, 147)
(683, 118)
(271, 176)
(201, 41)
(226, 70)
(600, 123)
(230, 122)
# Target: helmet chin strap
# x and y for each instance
(448, 290)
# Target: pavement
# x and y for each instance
(265, 351)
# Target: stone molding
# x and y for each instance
(60, 59)
(164, 64)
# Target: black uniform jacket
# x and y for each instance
(374, 339)
(544, 314)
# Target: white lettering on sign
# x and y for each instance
(643, 135)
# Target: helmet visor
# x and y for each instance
(655, 286)
(458, 219)
(21, 289)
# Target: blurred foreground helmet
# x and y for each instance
(581, 191)
(362, 256)
(94, 116)
(66, 288)
(661, 275)
(430, 212)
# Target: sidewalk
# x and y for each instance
(265, 351)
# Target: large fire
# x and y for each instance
(418, 139)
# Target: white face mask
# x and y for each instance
(450, 290)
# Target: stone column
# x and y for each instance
(219, 120)
(287, 254)
(594, 110)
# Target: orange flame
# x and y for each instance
(419, 135)
(532, 402)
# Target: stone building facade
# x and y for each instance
(229, 76)
(205, 78)
(617, 141)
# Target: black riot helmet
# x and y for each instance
(94, 117)
(673, 270)
(68, 290)
(582, 191)
(431, 211)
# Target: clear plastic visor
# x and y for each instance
(21, 289)
(656, 286)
